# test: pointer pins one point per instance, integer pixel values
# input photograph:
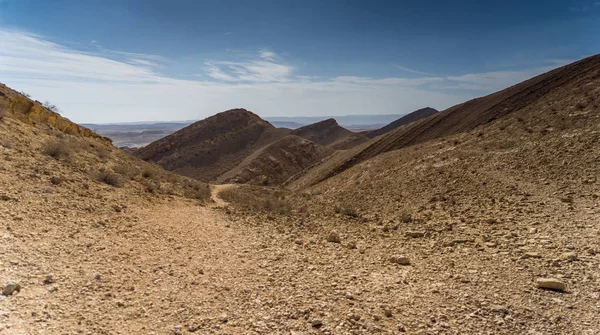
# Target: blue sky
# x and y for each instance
(130, 60)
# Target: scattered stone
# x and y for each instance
(399, 259)
(569, 256)
(299, 241)
(223, 318)
(316, 323)
(333, 237)
(499, 309)
(354, 317)
(49, 279)
(414, 234)
(532, 255)
(401, 328)
(351, 245)
(11, 287)
(117, 208)
(551, 284)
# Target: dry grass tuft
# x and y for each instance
(58, 149)
(110, 178)
(257, 199)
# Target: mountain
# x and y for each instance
(208, 148)
(406, 119)
(366, 121)
(277, 162)
(329, 133)
(460, 118)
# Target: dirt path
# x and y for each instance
(215, 190)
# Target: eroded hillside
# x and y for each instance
(464, 117)
(208, 148)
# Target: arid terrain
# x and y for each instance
(480, 219)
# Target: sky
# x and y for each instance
(104, 61)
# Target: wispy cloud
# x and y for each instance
(405, 69)
(115, 86)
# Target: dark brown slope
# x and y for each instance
(461, 118)
(277, 162)
(208, 148)
(329, 133)
(406, 119)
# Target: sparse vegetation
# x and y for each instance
(52, 107)
(58, 149)
(127, 170)
(197, 190)
(346, 210)
(110, 178)
(250, 198)
(150, 172)
(150, 186)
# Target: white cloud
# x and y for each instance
(405, 69)
(253, 71)
(115, 86)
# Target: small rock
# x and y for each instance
(117, 208)
(351, 245)
(399, 259)
(531, 255)
(401, 328)
(499, 309)
(387, 313)
(551, 284)
(11, 287)
(414, 234)
(49, 279)
(223, 318)
(299, 241)
(569, 256)
(333, 237)
(354, 317)
(316, 323)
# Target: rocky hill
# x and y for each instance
(16, 105)
(208, 148)
(406, 119)
(276, 163)
(329, 133)
(461, 118)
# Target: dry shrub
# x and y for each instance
(346, 210)
(102, 153)
(58, 149)
(197, 190)
(151, 187)
(150, 172)
(110, 178)
(257, 199)
(126, 170)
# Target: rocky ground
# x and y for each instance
(97, 259)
